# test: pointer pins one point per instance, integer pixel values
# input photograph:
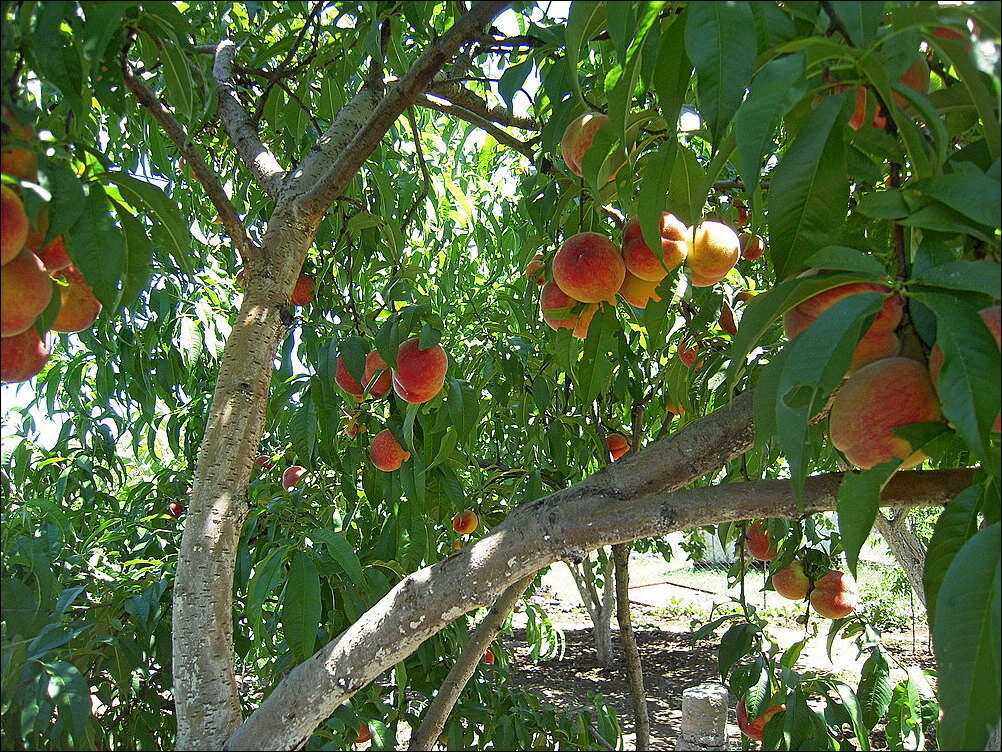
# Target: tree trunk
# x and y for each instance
(598, 603)
(634, 668)
(906, 547)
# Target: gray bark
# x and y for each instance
(908, 550)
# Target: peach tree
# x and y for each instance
(275, 205)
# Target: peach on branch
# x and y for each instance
(834, 595)
(618, 445)
(37, 231)
(263, 461)
(876, 399)
(302, 293)
(756, 728)
(489, 658)
(638, 292)
(553, 299)
(175, 509)
(25, 291)
(420, 374)
(791, 582)
(758, 543)
(713, 251)
(578, 137)
(374, 364)
(22, 356)
(386, 452)
(752, 246)
(534, 269)
(640, 259)
(17, 148)
(80, 307)
(54, 255)
(992, 316)
(13, 224)
(589, 268)
(291, 476)
(687, 353)
(364, 734)
(465, 522)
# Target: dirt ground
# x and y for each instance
(672, 663)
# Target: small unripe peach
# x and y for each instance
(759, 545)
(618, 445)
(13, 224)
(834, 595)
(713, 252)
(386, 453)
(534, 269)
(552, 298)
(489, 657)
(878, 398)
(589, 268)
(640, 259)
(420, 374)
(25, 291)
(791, 582)
(465, 522)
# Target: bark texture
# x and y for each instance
(908, 550)
(634, 668)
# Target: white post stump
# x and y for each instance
(704, 718)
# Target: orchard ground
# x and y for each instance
(665, 614)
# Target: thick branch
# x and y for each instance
(397, 99)
(240, 126)
(499, 134)
(232, 223)
(469, 101)
(543, 532)
(466, 665)
(634, 667)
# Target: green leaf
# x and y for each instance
(904, 718)
(874, 690)
(685, 193)
(957, 190)
(672, 71)
(809, 192)
(984, 277)
(720, 41)
(957, 523)
(844, 259)
(301, 606)
(463, 406)
(654, 192)
(860, 19)
(98, 248)
(966, 638)
(583, 20)
(858, 502)
(342, 552)
(737, 642)
(69, 200)
(774, 90)
(138, 253)
(178, 81)
(57, 54)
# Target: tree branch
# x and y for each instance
(239, 125)
(397, 99)
(232, 223)
(466, 99)
(627, 500)
(499, 134)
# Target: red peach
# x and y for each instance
(14, 158)
(552, 298)
(13, 224)
(420, 374)
(752, 246)
(589, 268)
(755, 729)
(876, 399)
(618, 445)
(80, 307)
(22, 356)
(386, 452)
(489, 658)
(291, 476)
(25, 291)
(302, 293)
(687, 354)
(791, 582)
(726, 320)
(54, 255)
(465, 522)
(759, 545)
(534, 269)
(640, 259)
(364, 734)
(578, 137)
(834, 595)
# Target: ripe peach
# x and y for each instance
(489, 658)
(743, 214)
(618, 445)
(54, 255)
(373, 364)
(915, 78)
(687, 354)
(465, 522)
(834, 595)
(364, 734)
(22, 356)
(640, 259)
(420, 374)
(578, 137)
(673, 407)
(175, 509)
(534, 269)
(302, 293)
(386, 452)
(866, 103)
(992, 317)
(15, 159)
(758, 543)
(25, 291)
(876, 399)
(755, 729)
(589, 268)
(552, 298)
(263, 461)
(79, 308)
(13, 224)
(37, 231)
(638, 292)
(291, 476)
(791, 582)
(752, 246)
(713, 252)
(726, 320)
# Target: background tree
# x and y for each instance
(259, 195)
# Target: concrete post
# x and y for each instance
(704, 718)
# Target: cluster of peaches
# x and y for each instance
(31, 270)
(885, 390)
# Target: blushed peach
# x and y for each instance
(79, 307)
(302, 293)
(17, 153)
(589, 268)
(577, 139)
(13, 224)
(465, 522)
(386, 453)
(791, 582)
(552, 299)
(25, 291)
(640, 259)
(618, 445)
(759, 545)
(22, 356)
(54, 255)
(638, 292)
(834, 595)
(713, 251)
(420, 374)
